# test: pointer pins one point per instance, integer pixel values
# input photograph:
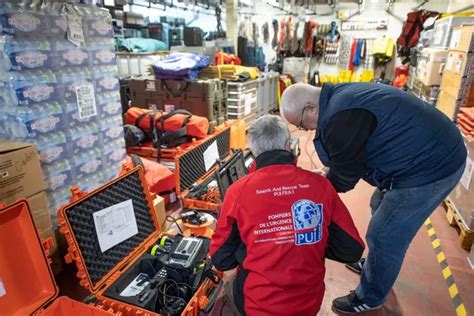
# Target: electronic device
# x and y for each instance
(186, 253)
(193, 217)
(248, 160)
(230, 171)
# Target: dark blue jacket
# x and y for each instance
(413, 144)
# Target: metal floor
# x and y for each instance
(421, 288)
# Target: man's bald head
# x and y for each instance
(299, 105)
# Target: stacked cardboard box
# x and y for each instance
(21, 178)
(457, 89)
(462, 194)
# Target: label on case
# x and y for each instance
(100, 28)
(30, 60)
(51, 154)
(112, 108)
(105, 56)
(86, 100)
(458, 65)
(150, 85)
(57, 181)
(45, 124)
(87, 141)
(169, 108)
(38, 93)
(24, 22)
(75, 34)
(75, 57)
(90, 166)
(108, 83)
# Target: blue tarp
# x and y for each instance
(180, 66)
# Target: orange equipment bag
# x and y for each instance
(113, 273)
(158, 177)
(168, 154)
(25, 265)
(170, 127)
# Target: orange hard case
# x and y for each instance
(199, 300)
(27, 285)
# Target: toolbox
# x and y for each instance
(27, 285)
(123, 259)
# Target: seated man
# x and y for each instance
(277, 225)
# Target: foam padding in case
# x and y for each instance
(80, 217)
(191, 164)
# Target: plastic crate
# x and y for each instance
(241, 87)
(271, 92)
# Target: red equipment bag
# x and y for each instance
(221, 58)
(158, 177)
(171, 128)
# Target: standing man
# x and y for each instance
(276, 225)
(412, 153)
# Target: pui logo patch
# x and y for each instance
(307, 221)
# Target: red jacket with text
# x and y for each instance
(277, 225)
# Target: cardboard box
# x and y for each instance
(40, 211)
(448, 104)
(462, 195)
(160, 211)
(459, 62)
(457, 85)
(41, 216)
(462, 38)
(430, 67)
(20, 171)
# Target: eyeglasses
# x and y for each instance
(300, 125)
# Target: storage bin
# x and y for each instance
(443, 29)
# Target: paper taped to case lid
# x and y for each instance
(80, 216)
(196, 162)
(115, 224)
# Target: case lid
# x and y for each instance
(78, 224)
(194, 163)
(26, 280)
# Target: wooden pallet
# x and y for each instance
(466, 236)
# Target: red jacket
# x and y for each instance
(277, 225)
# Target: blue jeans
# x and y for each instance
(396, 217)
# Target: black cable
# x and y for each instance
(173, 220)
